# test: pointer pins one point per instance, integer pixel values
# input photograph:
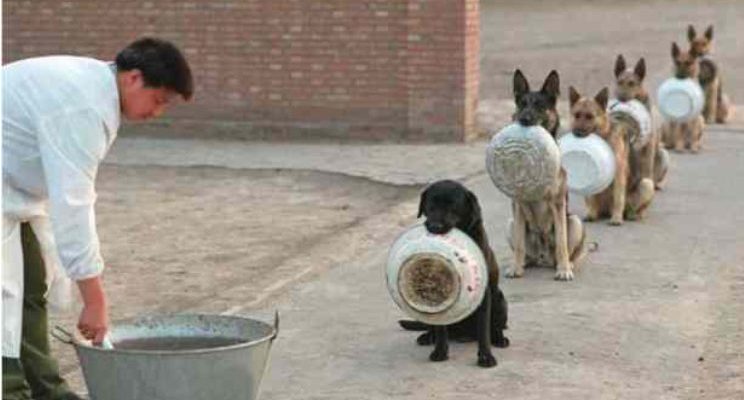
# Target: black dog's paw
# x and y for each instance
(501, 342)
(412, 325)
(486, 360)
(425, 339)
(439, 355)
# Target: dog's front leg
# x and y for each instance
(667, 135)
(564, 269)
(696, 134)
(499, 317)
(618, 193)
(678, 133)
(661, 167)
(725, 108)
(519, 240)
(711, 101)
(485, 356)
(592, 208)
(426, 338)
(715, 102)
(648, 157)
(441, 347)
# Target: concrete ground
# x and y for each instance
(656, 313)
(581, 39)
(247, 228)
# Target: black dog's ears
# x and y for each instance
(422, 202)
(521, 86)
(476, 215)
(691, 34)
(552, 85)
(620, 65)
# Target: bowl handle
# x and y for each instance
(62, 335)
(276, 325)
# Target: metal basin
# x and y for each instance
(177, 357)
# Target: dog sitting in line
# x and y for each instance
(629, 86)
(717, 106)
(683, 135)
(630, 193)
(543, 233)
(447, 204)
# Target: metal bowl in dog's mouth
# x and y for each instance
(429, 283)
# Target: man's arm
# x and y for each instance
(93, 323)
(72, 144)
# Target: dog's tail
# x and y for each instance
(413, 325)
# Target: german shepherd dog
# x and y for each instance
(630, 194)
(542, 233)
(683, 135)
(717, 105)
(447, 204)
(628, 86)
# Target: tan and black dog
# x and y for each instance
(629, 194)
(628, 86)
(717, 107)
(683, 135)
(542, 233)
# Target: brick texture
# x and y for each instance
(332, 69)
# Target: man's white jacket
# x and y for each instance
(60, 117)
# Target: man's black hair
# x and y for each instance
(161, 64)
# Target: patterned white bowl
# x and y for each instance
(589, 163)
(436, 279)
(680, 100)
(523, 161)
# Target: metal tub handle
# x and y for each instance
(276, 325)
(62, 335)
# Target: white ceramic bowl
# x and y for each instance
(523, 161)
(436, 279)
(589, 163)
(680, 100)
(638, 112)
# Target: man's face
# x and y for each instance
(139, 102)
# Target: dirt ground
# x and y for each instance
(177, 239)
(214, 239)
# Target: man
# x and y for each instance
(60, 116)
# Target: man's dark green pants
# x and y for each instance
(36, 374)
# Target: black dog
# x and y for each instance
(446, 205)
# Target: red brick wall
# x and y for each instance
(361, 69)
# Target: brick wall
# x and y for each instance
(301, 69)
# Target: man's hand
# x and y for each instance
(94, 320)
